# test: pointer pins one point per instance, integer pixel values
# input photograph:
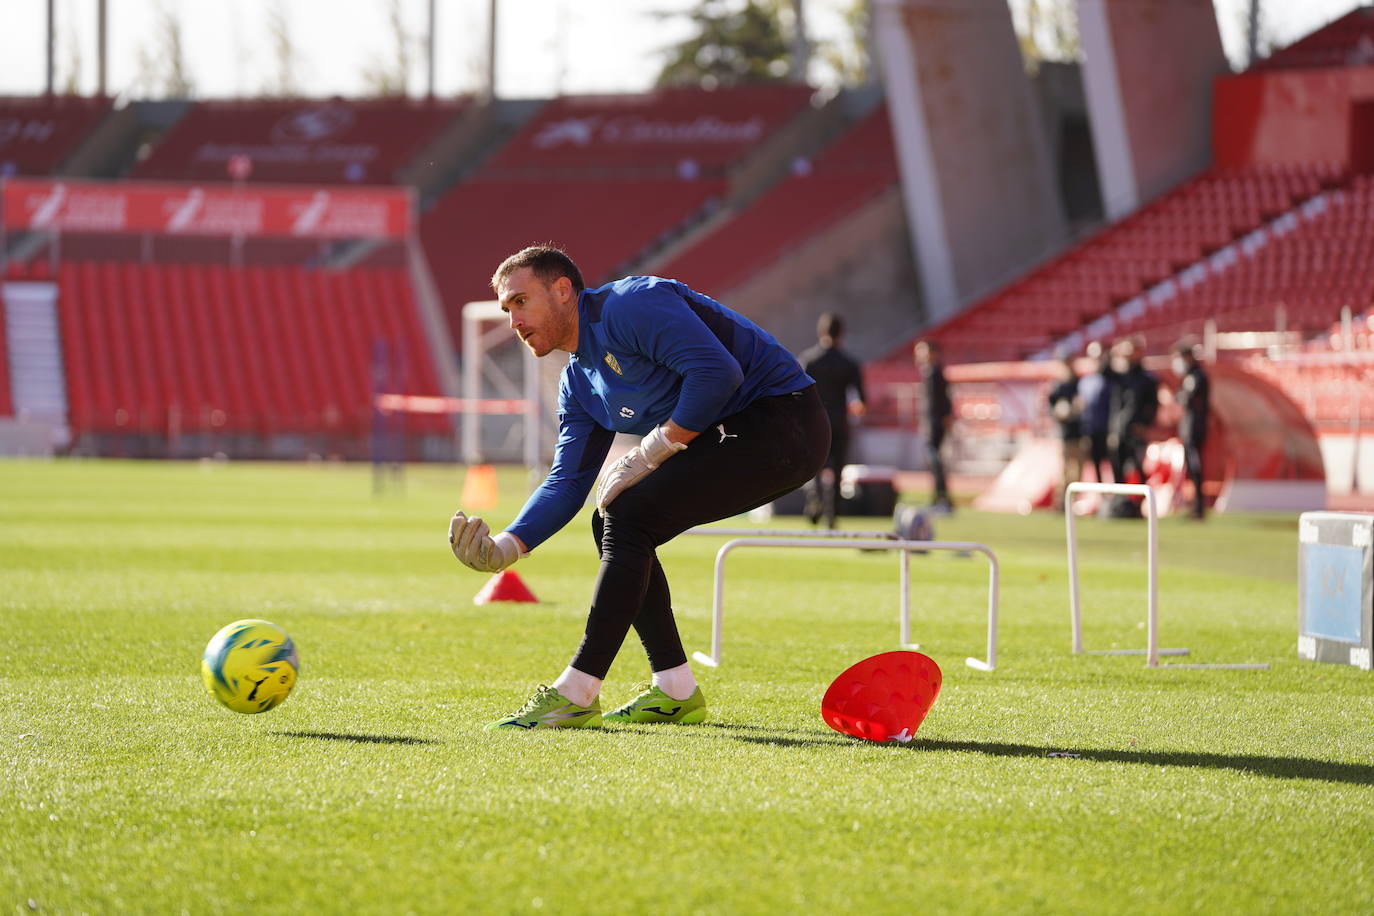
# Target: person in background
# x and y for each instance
(837, 376)
(1064, 407)
(1135, 401)
(1195, 397)
(939, 417)
(1095, 410)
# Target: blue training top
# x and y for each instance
(648, 349)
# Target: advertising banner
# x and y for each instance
(248, 211)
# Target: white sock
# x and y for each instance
(677, 682)
(578, 686)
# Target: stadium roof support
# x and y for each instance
(981, 196)
(1147, 74)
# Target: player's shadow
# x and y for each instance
(1359, 774)
(358, 739)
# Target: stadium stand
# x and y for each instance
(1346, 42)
(38, 134)
(1104, 271)
(1309, 269)
(846, 176)
(1330, 377)
(1096, 276)
(606, 176)
(206, 348)
(649, 133)
(293, 140)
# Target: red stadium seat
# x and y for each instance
(848, 175)
(191, 348)
(310, 141)
(38, 134)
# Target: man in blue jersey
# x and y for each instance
(729, 422)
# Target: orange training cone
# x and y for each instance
(479, 488)
(504, 586)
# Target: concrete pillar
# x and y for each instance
(1148, 67)
(981, 198)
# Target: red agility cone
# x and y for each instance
(504, 586)
(883, 698)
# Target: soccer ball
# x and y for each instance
(250, 665)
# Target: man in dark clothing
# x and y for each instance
(1195, 397)
(939, 416)
(837, 374)
(1095, 410)
(1064, 407)
(1135, 400)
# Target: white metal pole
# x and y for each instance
(994, 594)
(1075, 619)
(905, 578)
(472, 387)
(1152, 561)
(532, 428)
(718, 609)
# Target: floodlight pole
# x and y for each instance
(429, 53)
(491, 51)
(800, 50)
(102, 43)
(50, 80)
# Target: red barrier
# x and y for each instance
(206, 210)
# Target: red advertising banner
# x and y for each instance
(246, 211)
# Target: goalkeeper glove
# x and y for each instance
(653, 450)
(474, 547)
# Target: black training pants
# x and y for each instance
(770, 448)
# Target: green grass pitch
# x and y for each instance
(373, 789)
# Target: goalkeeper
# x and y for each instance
(729, 422)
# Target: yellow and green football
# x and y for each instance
(250, 665)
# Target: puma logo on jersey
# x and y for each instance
(611, 361)
(723, 434)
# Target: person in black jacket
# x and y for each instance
(837, 376)
(1135, 401)
(938, 415)
(1066, 409)
(1195, 397)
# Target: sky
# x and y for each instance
(545, 46)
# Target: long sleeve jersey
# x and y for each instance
(648, 350)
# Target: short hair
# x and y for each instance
(830, 325)
(1186, 347)
(547, 262)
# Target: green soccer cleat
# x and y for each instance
(653, 705)
(550, 709)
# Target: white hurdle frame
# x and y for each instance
(846, 540)
(1152, 651)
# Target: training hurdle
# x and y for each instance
(1152, 651)
(846, 540)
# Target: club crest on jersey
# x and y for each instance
(611, 361)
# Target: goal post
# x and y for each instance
(484, 329)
